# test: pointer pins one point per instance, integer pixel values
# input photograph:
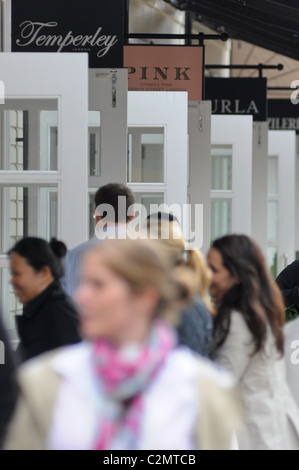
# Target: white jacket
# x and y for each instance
(271, 414)
(189, 405)
(291, 347)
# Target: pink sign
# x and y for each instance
(165, 68)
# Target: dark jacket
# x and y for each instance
(49, 321)
(195, 328)
(288, 281)
(8, 388)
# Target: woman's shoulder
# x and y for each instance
(51, 363)
(188, 364)
(238, 321)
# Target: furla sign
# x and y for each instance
(242, 96)
(65, 26)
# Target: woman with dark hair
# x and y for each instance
(248, 342)
(49, 319)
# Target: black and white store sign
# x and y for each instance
(95, 27)
(283, 115)
(241, 96)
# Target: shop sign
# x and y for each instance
(91, 26)
(241, 96)
(283, 115)
(165, 68)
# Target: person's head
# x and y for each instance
(242, 281)
(114, 203)
(34, 265)
(165, 227)
(126, 285)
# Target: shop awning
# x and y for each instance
(270, 24)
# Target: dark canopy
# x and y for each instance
(271, 24)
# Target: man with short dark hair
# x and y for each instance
(112, 215)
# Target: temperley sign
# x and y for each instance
(67, 26)
(165, 68)
(247, 96)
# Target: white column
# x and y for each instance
(199, 187)
(113, 123)
(260, 184)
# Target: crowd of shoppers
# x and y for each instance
(145, 345)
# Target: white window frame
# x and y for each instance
(237, 132)
(283, 145)
(63, 77)
(168, 110)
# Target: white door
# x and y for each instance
(231, 194)
(43, 153)
(157, 164)
(282, 221)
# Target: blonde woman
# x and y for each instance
(114, 391)
(196, 325)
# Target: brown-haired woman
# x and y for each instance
(126, 386)
(248, 342)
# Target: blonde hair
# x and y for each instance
(173, 243)
(143, 265)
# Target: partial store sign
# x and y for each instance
(165, 68)
(242, 96)
(91, 26)
(283, 115)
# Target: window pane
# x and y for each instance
(146, 156)
(30, 210)
(222, 168)
(48, 141)
(272, 260)
(151, 201)
(29, 135)
(221, 217)
(272, 221)
(273, 176)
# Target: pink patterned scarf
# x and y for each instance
(124, 373)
